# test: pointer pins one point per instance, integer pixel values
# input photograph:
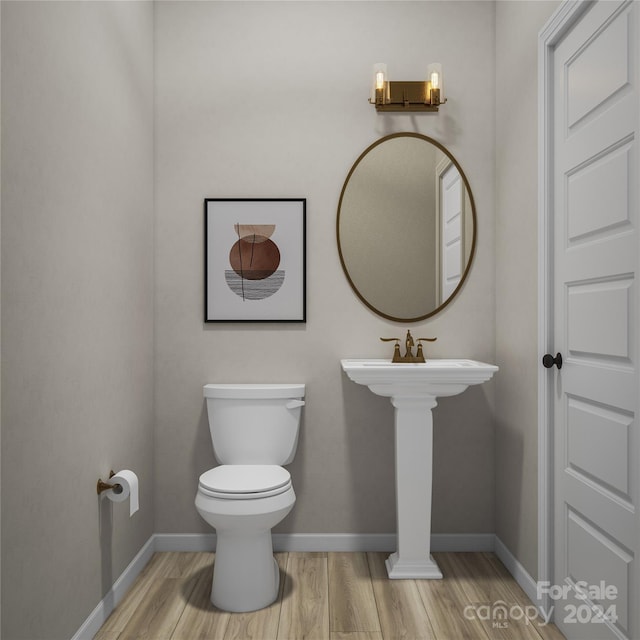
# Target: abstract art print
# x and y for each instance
(255, 260)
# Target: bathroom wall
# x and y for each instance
(269, 99)
(0, 333)
(517, 27)
(77, 303)
(252, 100)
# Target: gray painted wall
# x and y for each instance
(77, 268)
(269, 99)
(77, 303)
(517, 27)
(0, 340)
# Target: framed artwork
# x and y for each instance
(255, 260)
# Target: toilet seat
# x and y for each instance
(244, 481)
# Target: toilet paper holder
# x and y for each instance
(105, 486)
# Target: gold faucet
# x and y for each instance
(409, 344)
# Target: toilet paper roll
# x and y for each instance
(128, 480)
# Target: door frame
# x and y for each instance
(442, 167)
(565, 17)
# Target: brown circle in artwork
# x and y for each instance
(254, 257)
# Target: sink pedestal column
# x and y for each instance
(413, 390)
(414, 471)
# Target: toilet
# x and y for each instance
(254, 430)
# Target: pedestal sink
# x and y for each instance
(414, 390)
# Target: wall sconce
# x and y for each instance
(421, 95)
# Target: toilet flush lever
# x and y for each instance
(294, 404)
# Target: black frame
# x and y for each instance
(207, 266)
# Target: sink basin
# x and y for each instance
(440, 363)
(434, 378)
(414, 390)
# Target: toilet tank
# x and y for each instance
(254, 423)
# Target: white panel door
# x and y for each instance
(451, 231)
(596, 241)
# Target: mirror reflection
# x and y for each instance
(406, 227)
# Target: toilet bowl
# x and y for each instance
(250, 492)
(245, 573)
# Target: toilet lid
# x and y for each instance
(245, 481)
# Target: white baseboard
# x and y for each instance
(331, 542)
(113, 597)
(459, 542)
(284, 542)
(353, 542)
(185, 541)
(521, 575)
(334, 542)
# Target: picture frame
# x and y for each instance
(255, 259)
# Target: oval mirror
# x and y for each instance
(406, 227)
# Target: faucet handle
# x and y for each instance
(420, 355)
(396, 349)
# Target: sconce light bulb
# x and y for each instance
(435, 83)
(378, 84)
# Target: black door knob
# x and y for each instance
(548, 360)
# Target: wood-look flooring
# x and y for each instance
(331, 596)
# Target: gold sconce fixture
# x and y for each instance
(420, 95)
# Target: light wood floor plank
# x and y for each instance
(486, 594)
(160, 565)
(352, 605)
(262, 624)
(181, 564)
(546, 631)
(200, 620)
(170, 599)
(445, 602)
(157, 617)
(305, 602)
(400, 609)
(121, 615)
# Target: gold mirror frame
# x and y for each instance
(472, 251)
